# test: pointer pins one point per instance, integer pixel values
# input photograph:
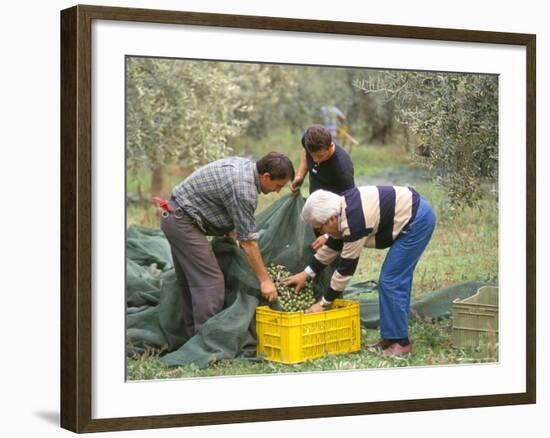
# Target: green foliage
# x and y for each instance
(455, 116)
(266, 90)
(189, 111)
(291, 97)
(180, 110)
(375, 114)
(318, 86)
(185, 110)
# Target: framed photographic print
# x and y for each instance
(151, 100)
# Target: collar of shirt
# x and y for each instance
(257, 179)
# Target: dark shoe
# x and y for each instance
(382, 344)
(397, 350)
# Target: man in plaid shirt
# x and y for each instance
(216, 200)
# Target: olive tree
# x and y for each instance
(179, 110)
(455, 118)
(265, 90)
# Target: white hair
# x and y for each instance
(320, 206)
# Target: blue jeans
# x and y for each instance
(396, 276)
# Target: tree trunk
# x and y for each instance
(140, 192)
(157, 181)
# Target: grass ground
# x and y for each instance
(464, 247)
(432, 346)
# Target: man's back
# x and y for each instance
(210, 193)
(334, 174)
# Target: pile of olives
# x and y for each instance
(289, 300)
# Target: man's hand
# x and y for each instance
(317, 307)
(254, 259)
(319, 242)
(296, 184)
(268, 290)
(296, 279)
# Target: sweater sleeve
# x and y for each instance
(326, 254)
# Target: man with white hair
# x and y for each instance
(374, 217)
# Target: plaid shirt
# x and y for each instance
(222, 196)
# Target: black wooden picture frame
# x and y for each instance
(76, 217)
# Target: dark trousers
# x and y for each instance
(197, 270)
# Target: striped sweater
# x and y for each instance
(370, 216)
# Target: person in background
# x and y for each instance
(332, 118)
(328, 164)
(378, 217)
(215, 200)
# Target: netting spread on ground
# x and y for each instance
(153, 313)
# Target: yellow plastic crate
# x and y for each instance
(293, 337)
(475, 317)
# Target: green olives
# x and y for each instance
(289, 300)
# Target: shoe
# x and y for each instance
(382, 344)
(397, 350)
